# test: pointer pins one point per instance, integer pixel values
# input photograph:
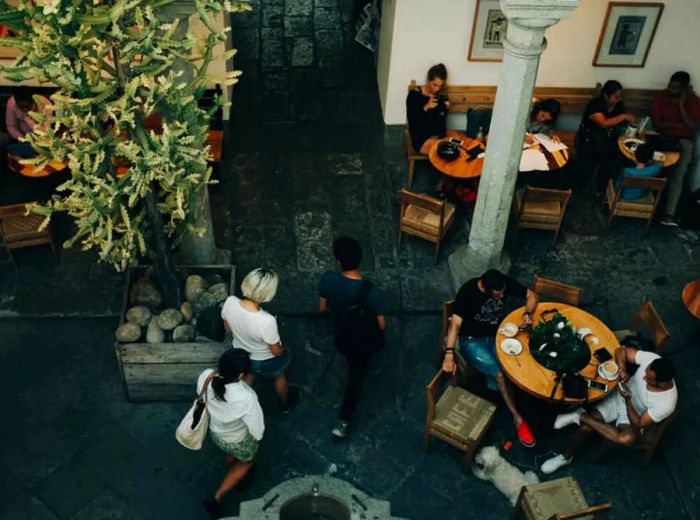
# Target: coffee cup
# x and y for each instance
(510, 330)
(610, 368)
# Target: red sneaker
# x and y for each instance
(525, 435)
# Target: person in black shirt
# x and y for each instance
(596, 139)
(426, 110)
(477, 312)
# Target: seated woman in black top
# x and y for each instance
(596, 136)
(426, 110)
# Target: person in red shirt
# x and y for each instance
(676, 112)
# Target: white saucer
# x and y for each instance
(631, 144)
(582, 333)
(606, 377)
(659, 157)
(502, 330)
(511, 346)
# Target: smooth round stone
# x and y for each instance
(219, 291)
(128, 332)
(169, 319)
(139, 314)
(154, 334)
(194, 287)
(205, 301)
(187, 310)
(144, 291)
(183, 333)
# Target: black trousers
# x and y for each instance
(358, 366)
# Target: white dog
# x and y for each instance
(490, 466)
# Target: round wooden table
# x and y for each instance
(539, 381)
(691, 298)
(460, 168)
(14, 163)
(670, 158)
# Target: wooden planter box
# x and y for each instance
(168, 371)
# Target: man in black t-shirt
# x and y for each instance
(477, 312)
(338, 292)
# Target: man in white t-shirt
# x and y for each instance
(650, 398)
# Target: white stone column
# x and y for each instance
(524, 43)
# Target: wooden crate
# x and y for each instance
(168, 371)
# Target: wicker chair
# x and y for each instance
(540, 208)
(18, 230)
(647, 316)
(457, 417)
(425, 217)
(559, 499)
(643, 208)
(559, 291)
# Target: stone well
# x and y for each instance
(315, 497)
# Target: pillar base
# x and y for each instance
(467, 263)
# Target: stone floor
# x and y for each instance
(308, 159)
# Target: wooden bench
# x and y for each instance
(573, 101)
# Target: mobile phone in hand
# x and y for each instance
(597, 385)
(623, 387)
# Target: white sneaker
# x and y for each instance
(550, 466)
(565, 419)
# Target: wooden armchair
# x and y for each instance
(425, 217)
(649, 318)
(559, 499)
(540, 208)
(559, 291)
(17, 229)
(647, 443)
(455, 415)
(643, 208)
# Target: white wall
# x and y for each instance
(422, 36)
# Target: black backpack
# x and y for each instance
(356, 327)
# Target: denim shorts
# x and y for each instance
(270, 368)
(480, 354)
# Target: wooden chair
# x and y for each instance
(647, 443)
(540, 208)
(647, 316)
(425, 217)
(559, 291)
(17, 229)
(457, 416)
(643, 208)
(559, 499)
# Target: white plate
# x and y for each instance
(606, 377)
(511, 346)
(631, 144)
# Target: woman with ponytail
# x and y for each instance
(236, 422)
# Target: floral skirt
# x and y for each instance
(244, 450)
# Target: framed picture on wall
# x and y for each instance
(488, 32)
(627, 34)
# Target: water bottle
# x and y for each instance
(480, 134)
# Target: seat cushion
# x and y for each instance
(545, 208)
(425, 220)
(462, 415)
(563, 495)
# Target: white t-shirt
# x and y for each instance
(659, 405)
(253, 331)
(239, 414)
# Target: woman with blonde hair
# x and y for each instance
(255, 331)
